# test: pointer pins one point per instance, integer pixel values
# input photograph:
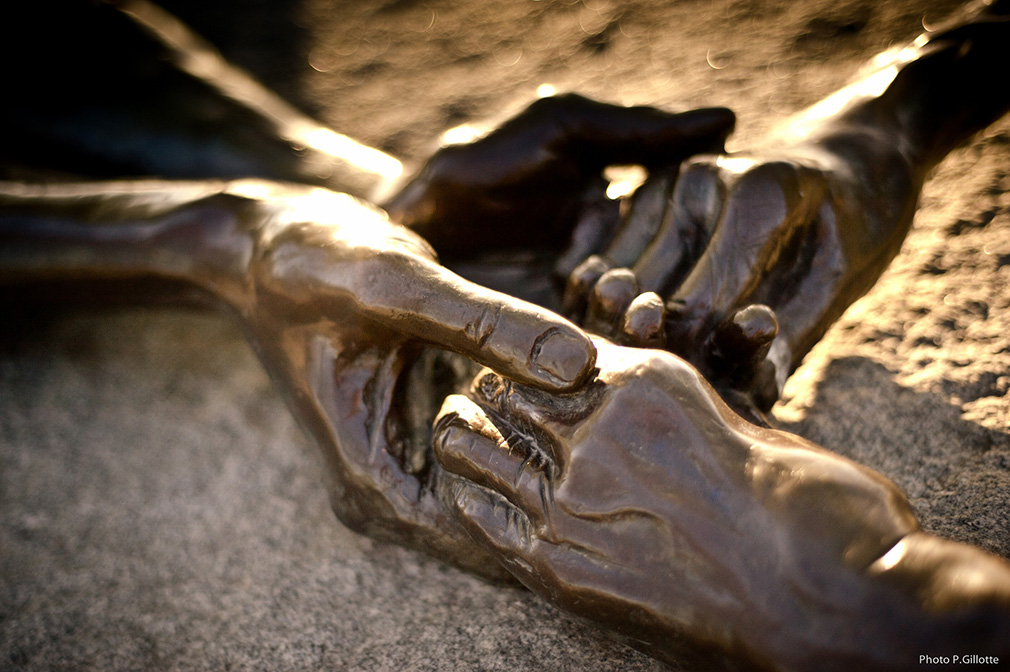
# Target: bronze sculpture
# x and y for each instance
(294, 264)
(807, 221)
(412, 251)
(807, 228)
(646, 505)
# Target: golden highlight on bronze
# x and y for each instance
(535, 373)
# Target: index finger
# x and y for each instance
(523, 342)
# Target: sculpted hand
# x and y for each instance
(529, 181)
(344, 300)
(803, 232)
(350, 313)
(803, 225)
(643, 503)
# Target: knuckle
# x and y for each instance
(483, 326)
(699, 166)
(561, 104)
(778, 171)
(698, 195)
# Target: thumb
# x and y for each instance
(600, 134)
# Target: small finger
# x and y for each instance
(643, 323)
(580, 283)
(599, 218)
(609, 300)
(741, 354)
(467, 443)
(494, 524)
(744, 339)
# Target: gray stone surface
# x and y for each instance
(160, 510)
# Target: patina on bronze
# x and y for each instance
(335, 299)
(808, 220)
(339, 302)
(621, 487)
(643, 503)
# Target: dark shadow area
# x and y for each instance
(88, 93)
(265, 37)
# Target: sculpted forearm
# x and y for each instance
(924, 99)
(194, 234)
(947, 93)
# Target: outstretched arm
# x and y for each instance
(348, 311)
(928, 97)
(123, 88)
(177, 109)
(177, 236)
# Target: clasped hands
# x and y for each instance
(614, 481)
(343, 304)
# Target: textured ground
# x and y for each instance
(160, 510)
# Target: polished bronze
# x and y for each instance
(337, 300)
(806, 221)
(643, 503)
(613, 481)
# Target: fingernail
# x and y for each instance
(643, 323)
(448, 448)
(580, 282)
(757, 323)
(749, 330)
(563, 356)
(615, 291)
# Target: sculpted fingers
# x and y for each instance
(767, 207)
(644, 219)
(580, 283)
(687, 225)
(609, 300)
(419, 298)
(746, 337)
(598, 219)
(742, 354)
(469, 444)
(493, 524)
(643, 324)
